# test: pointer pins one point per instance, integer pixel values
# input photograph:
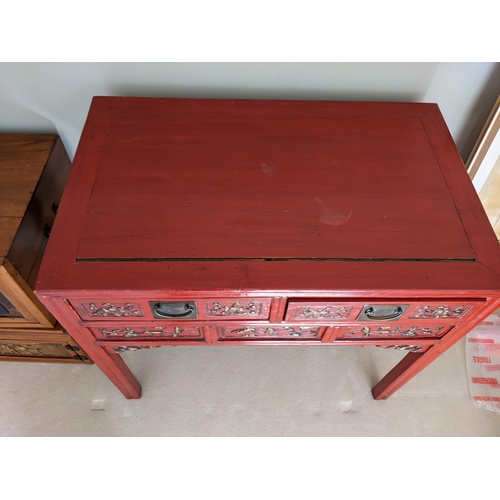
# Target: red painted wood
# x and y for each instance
(207, 309)
(393, 330)
(111, 365)
(282, 203)
(278, 309)
(269, 332)
(414, 363)
(337, 311)
(154, 330)
(233, 164)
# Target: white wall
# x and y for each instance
(55, 97)
(466, 93)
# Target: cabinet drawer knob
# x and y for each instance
(396, 313)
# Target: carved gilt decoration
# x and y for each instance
(394, 331)
(155, 331)
(33, 350)
(105, 309)
(278, 331)
(437, 312)
(318, 312)
(124, 348)
(233, 309)
(411, 348)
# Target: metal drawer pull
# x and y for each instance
(174, 309)
(394, 315)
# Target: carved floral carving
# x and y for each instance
(270, 331)
(437, 312)
(105, 309)
(155, 331)
(411, 348)
(233, 309)
(394, 331)
(124, 348)
(318, 312)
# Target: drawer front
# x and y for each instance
(34, 349)
(18, 349)
(153, 330)
(173, 309)
(373, 311)
(270, 332)
(384, 331)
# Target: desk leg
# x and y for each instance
(110, 363)
(414, 362)
(119, 373)
(405, 370)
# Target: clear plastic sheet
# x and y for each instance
(482, 354)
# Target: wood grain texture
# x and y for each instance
(23, 298)
(22, 160)
(8, 230)
(27, 248)
(33, 173)
(229, 171)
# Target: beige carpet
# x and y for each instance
(244, 391)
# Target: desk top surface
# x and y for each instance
(202, 180)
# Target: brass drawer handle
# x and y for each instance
(398, 312)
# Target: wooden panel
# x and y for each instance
(152, 330)
(241, 308)
(23, 298)
(22, 160)
(443, 310)
(34, 349)
(271, 332)
(325, 312)
(31, 239)
(385, 330)
(242, 161)
(50, 345)
(8, 230)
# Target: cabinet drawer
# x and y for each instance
(372, 311)
(270, 332)
(150, 330)
(396, 331)
(172, 309)
(20, 344)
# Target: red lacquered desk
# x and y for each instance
(240, 222)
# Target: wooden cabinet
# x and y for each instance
(33, 173)
(231, 222)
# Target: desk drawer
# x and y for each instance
(270, 332)
(373, 311)
(168, 309)
(396, 331)
(149, 330)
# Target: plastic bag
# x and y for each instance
(482, 354)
